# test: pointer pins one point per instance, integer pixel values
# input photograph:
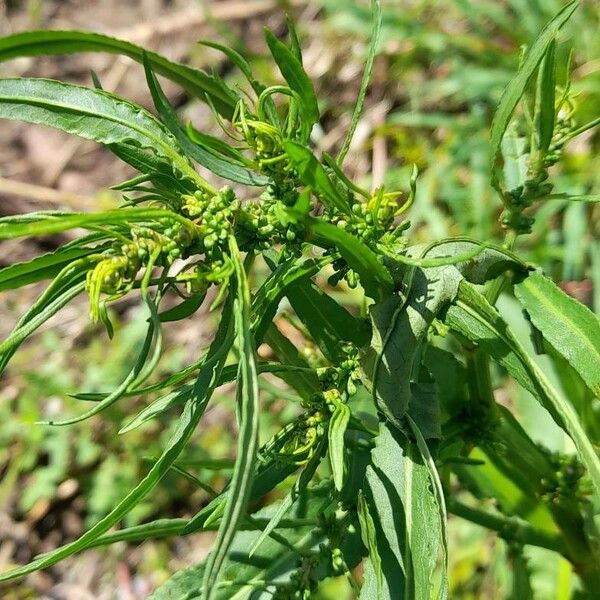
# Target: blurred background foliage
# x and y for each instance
(439, 73)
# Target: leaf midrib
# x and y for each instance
(43, 103)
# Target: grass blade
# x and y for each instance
(366, 78)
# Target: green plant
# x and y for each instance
(396, 421)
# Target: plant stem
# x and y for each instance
(508, 527)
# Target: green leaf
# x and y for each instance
(374, 277)
(202, 155)
(329, 323)
(158, 407)
(41, 267)
(183, 310)
(194, 81)
(399, 325)
(336, 432)
(368, 534)
(239, 61)
(312, 173)
(364, 84)
(516, 88)
(571, 328)
(94, 115)
(298, 489)
(267, 298)
(271, 567)
(521, 585)
(545, 99)
(248, 412)
(41, 224)
(133, 376)
(305, 383)
(296, 77)
(193, 411)
(409, 531)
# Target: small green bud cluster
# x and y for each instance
(267, 222)
(565, 125)
(304, 580)
(521, 198)
(567, 483)
(342, 378)
(213, 214)
(301, 447)
(114, 274)
(373, 222)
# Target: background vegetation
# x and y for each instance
(439, 73)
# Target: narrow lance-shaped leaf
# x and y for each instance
(516, 88)
(545, 100)
(41, 224)
(132, 379)
(330, 324)
(336, 432)
(94, 115)
(409, 531)
(368, 533)
(194, 81)
(364, 84)
(313, 174)
(295, 75)
(299, 487)
(41, 267)
(248, 408)
(374, 277)
(571, 328)
(202, 155)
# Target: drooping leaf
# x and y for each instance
(44, 43)
(92, 114)
(336, 433)
(571, 328)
